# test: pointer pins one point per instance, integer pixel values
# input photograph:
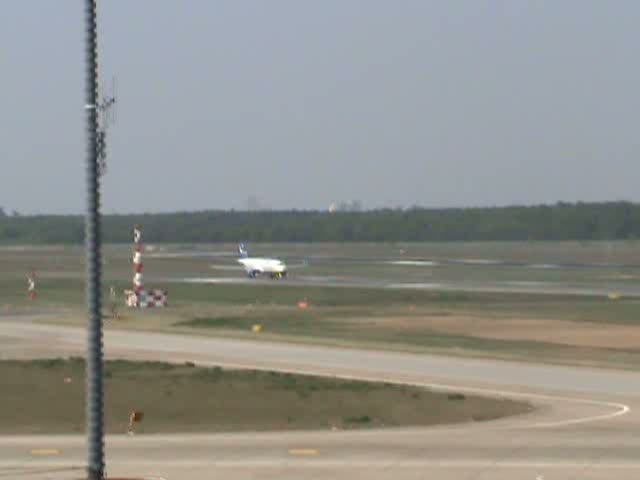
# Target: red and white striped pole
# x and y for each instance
(138, 282)
(31, 285)
(139, 297)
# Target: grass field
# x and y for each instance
(47, 396)
(590, 330)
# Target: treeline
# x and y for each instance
(562, 221)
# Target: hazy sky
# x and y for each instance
(302, 103)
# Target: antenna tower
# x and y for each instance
(106, 116)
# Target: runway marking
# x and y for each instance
(303, 451)
(620, 408)
(45, 451)
(348, 463)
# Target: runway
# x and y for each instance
(532, 287)
(584, 427)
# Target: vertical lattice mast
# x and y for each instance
(95, 390)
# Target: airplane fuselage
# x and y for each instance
(263, 266)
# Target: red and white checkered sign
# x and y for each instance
(152, 298)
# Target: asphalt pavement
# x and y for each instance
(585, 425)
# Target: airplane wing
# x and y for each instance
(228, 268)
(295, 266)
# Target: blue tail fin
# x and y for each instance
(242, 250)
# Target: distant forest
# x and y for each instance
(562, 221)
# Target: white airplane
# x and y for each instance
(255, 266)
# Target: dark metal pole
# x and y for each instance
(95, 421)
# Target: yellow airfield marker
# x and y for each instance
(45, 451)
(303, 451)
